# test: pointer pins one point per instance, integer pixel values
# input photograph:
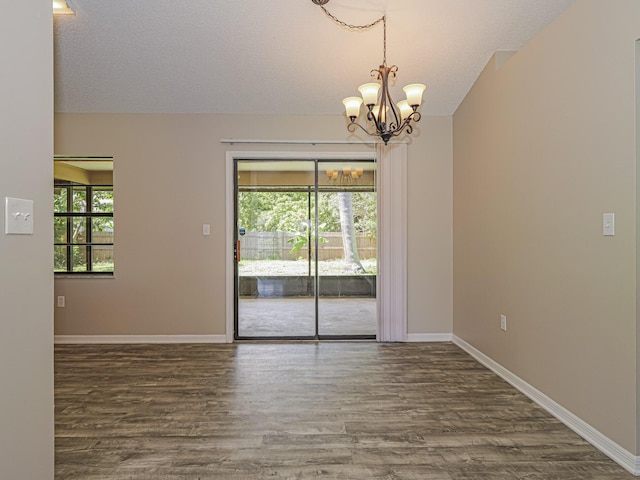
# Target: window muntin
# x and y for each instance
(83, 228)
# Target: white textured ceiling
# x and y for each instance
(279, 56)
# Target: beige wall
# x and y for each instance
(169, 177)
(26, 282)
(543, 146)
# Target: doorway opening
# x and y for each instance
(305, 249)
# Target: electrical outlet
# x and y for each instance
(61, 301)
(503, 322)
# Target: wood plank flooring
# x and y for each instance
(303, 411)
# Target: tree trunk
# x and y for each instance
(351, 257)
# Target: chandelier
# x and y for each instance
(345, 175)
(385, 119)
(61, 7)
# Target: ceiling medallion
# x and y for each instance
(385, 119)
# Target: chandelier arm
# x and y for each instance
(384, 135)
(386, 130)
(388, 115)
(395, 121)
(352, 128)
(407, 124)
(372, 118)
(378, 125)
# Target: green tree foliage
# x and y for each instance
(365, 213)
(289, 211)
(303, 237)
(101, 202)
(348, 213)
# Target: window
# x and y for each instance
(83, 225)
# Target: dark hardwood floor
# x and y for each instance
(303, 411)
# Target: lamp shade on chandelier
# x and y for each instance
(384, 118)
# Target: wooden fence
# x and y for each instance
(103, 254)
(276, 246)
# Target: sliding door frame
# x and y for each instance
(231, 157)
(311, 215)
(385, 249)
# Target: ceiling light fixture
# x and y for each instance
(346, 175)
(385, 117)
(61, 7)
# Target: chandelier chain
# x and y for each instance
(384, 51)
(382, 19)
(348, 25)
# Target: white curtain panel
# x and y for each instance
(392, 242)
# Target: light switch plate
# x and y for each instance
(18, 216)
(608, 224)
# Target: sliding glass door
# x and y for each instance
(305, 249)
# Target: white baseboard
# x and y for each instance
(603, 443)
(96, 339)
(429, 337)
(114, 339)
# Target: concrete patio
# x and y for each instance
(295, 316)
